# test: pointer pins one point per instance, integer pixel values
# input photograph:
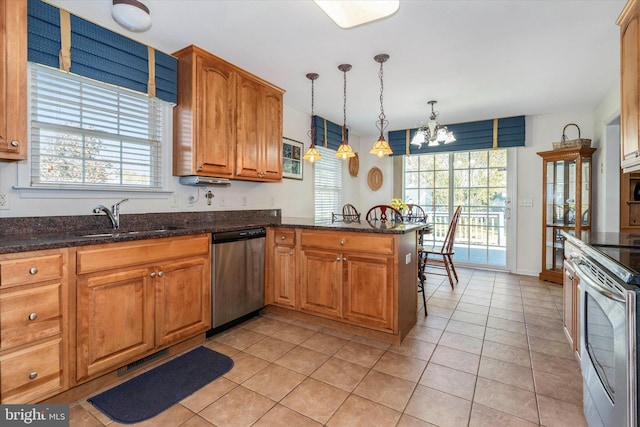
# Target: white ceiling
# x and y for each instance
(480, 59)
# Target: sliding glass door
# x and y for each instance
(476, 180)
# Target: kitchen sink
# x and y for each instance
(125, 233)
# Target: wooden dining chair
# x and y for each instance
(381, 216)
(349, 214)
(414, 213)
(441, 257)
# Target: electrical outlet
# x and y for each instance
(174, 200)
(4, 202)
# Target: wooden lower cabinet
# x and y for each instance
(571, 307)
(125, 312)
(353, 278)
(34, 325)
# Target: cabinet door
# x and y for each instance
(629, 57)
(369, 291)
(13, 80)
(115, 319)
(285, 277)
(183, 299)
(250, 118)
(215, 119)
(272, 151)
(321, 283)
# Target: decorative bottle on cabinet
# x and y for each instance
(566, 194)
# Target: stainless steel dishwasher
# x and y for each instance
(237, 276)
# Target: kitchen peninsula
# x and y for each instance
(69, 275)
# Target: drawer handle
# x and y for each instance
(153, 274)
(15, 143)
(342, 242)
(33, 316)
(33, 375)
(33, 270)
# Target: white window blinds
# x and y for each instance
(328, 185)
(89, 134)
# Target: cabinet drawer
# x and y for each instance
(41, 361)
(361, 242)
(21, 271)
(117, 255)
(29, 314)
(284, 236)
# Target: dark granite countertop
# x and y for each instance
(35, 233)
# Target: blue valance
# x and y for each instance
(509, 132)
(328, 134)
(98, 53)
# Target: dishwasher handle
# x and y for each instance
(236, 235)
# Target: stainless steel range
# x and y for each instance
(608, 335)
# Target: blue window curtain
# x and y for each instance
(469, 136)
(328, 134)
(98, 53)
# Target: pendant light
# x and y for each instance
(344, 151)
(312, 153)
(381, 147)
(433, 133)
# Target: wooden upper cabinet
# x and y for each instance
(629, 96)
(228, 123)
(204, 118)
(13, 80)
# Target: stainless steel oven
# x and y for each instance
(608, 345)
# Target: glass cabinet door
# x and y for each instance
(567, 203)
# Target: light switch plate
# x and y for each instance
(408, 258)
(525, 203)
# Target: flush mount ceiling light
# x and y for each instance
(312, 153)
(131, 14)
(381, 147)
(345, 151)
(347, 14)
(433, 133)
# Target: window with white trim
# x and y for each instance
(88, 134)
(328, 185)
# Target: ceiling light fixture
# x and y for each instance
(433, 133)
(312, 153)
(381, 147)
(131, 14)
(344, 151)
(347, 14)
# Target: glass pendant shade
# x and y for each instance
(434, 133)
(345, 151)
(381, 148)
(312, 154)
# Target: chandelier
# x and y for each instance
(381, 147)
(433, 133)
(344, 151)
(312, 153)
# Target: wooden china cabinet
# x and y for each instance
(566, 204)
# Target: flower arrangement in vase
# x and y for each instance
(399, 204)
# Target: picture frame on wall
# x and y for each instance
(292, 152)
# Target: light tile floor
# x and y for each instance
(491, 353)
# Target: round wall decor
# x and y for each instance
(374, 179)
(354, 165)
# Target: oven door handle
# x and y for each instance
(586, 277)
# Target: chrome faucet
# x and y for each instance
(113, 213)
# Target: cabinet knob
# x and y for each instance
(342, 242)
(15, 143)
(290, 253)
(344, 259)
(33, 375)
(160, 274)
(33, 316)
(282, 237)
(338, 259)
(33, 270)
(153, 274)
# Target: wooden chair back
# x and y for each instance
(415, 213)
(447, 245)
(382, 214)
